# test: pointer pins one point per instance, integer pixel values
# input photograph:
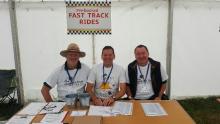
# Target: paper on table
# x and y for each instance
(32, 108)
(54, 118)
(153, 109)
(53, 107)
(18, 119)
(78, 113)
(123, 108)
(100, 111)
(48, 123)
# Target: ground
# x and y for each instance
(203, 110)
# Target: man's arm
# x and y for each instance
(128, 92)
(46, 93)
(118, 95)
(162, 90)
(121, 91)
(96, 100)
(164, 78)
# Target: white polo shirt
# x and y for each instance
(144, 83)
(111, 85)
(60, 78)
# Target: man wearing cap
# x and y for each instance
(106, 82)
(69, 78)
(146, 78)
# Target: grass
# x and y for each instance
(202, 110)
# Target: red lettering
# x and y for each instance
(80, 21)
(76, 15)
(106, 15)
(89, 21)
(98, 15)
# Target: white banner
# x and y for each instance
(88, 17)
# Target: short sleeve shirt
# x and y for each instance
(105, 87)
(64, 86)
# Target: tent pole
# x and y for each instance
(14, 31)
(169, 45)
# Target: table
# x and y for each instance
(176, 115)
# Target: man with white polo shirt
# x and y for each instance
(69, 78)
(106, 82)
(146, 78)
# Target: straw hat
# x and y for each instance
(72, 47)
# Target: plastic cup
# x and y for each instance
(71, 100)
(84, 100)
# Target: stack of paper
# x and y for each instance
(18, 119)
(33, 108)
(78, 113)
(100, 111)
(53, 107)
(122, 108)
(153, 109)
(54, 118)
(26, 115)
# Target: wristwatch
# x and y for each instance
(114, 98)
(129, 97)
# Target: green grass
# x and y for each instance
(202, 110)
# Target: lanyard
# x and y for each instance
(142, 76)
(70, 78)
(103, 75)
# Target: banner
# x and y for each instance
(88, 17)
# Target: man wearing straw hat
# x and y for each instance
(69, 78)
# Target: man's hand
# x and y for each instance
(157, 98)
(108, 101)
(98, 102)
(130, 98)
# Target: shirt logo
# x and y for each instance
(105, 86)
(67, 82)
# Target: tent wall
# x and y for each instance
(196, 36)
(42, 35)
(6, 47)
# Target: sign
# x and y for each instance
(88, 17)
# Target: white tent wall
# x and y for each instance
(6, 47)
(42, 35)
(195, 60)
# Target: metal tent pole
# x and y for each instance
(169, 44)
(14, 31)
(93, 49)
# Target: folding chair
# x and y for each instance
(7, 85)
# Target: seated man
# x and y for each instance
(106, 79)
(71, 77)
(146, 78)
